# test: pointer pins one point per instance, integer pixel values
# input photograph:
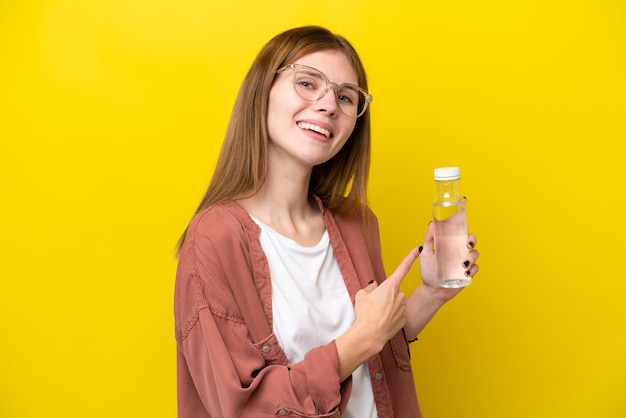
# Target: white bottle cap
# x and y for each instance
(447, 173)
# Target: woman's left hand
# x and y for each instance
(428, 266)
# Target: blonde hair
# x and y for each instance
(341, 182)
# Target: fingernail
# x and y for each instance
(371, 281)
(422, 247)
(471, 243)
(466, 264)
(468, 273)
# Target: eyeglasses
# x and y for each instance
(312, 85)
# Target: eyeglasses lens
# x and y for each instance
(312, 85)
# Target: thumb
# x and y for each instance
(370, 286)
(429, 238)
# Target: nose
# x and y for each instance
(327, 102)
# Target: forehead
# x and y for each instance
(334, 64)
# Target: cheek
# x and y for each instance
(347, 130)
(281, 96)
(280, 106)
(274, 113)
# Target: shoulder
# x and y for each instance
(363, 222)
(218, 237)
(354, 215)
(359, 232)
(219, 224)
(224, 216)
(217, 253)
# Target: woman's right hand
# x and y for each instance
(380, 314)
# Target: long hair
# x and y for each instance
(241, 169)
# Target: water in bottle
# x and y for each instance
(450, 223)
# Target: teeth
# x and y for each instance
(315, 128)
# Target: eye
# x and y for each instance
(305, 84)
(345, 99)
(308, 81)
(348, 95)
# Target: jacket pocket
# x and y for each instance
(290, 413)
(400, 350)
(269, 349)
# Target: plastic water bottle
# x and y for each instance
(450, 222)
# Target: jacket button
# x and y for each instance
(378, 376)
(266, 348)
(282, 412)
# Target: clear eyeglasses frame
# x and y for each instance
(311, 84)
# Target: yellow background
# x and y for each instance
(112, 113)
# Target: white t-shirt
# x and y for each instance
(311, 306)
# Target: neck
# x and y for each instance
(284, 204)
(285, 192)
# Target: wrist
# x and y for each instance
(354, 347)
(422, 305)
(430, 298)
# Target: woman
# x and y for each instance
(282, 305)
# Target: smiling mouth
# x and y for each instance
(315, 128)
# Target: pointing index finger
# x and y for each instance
(405, 265)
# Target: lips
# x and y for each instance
(315, 128)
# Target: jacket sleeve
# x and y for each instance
(224, 370)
